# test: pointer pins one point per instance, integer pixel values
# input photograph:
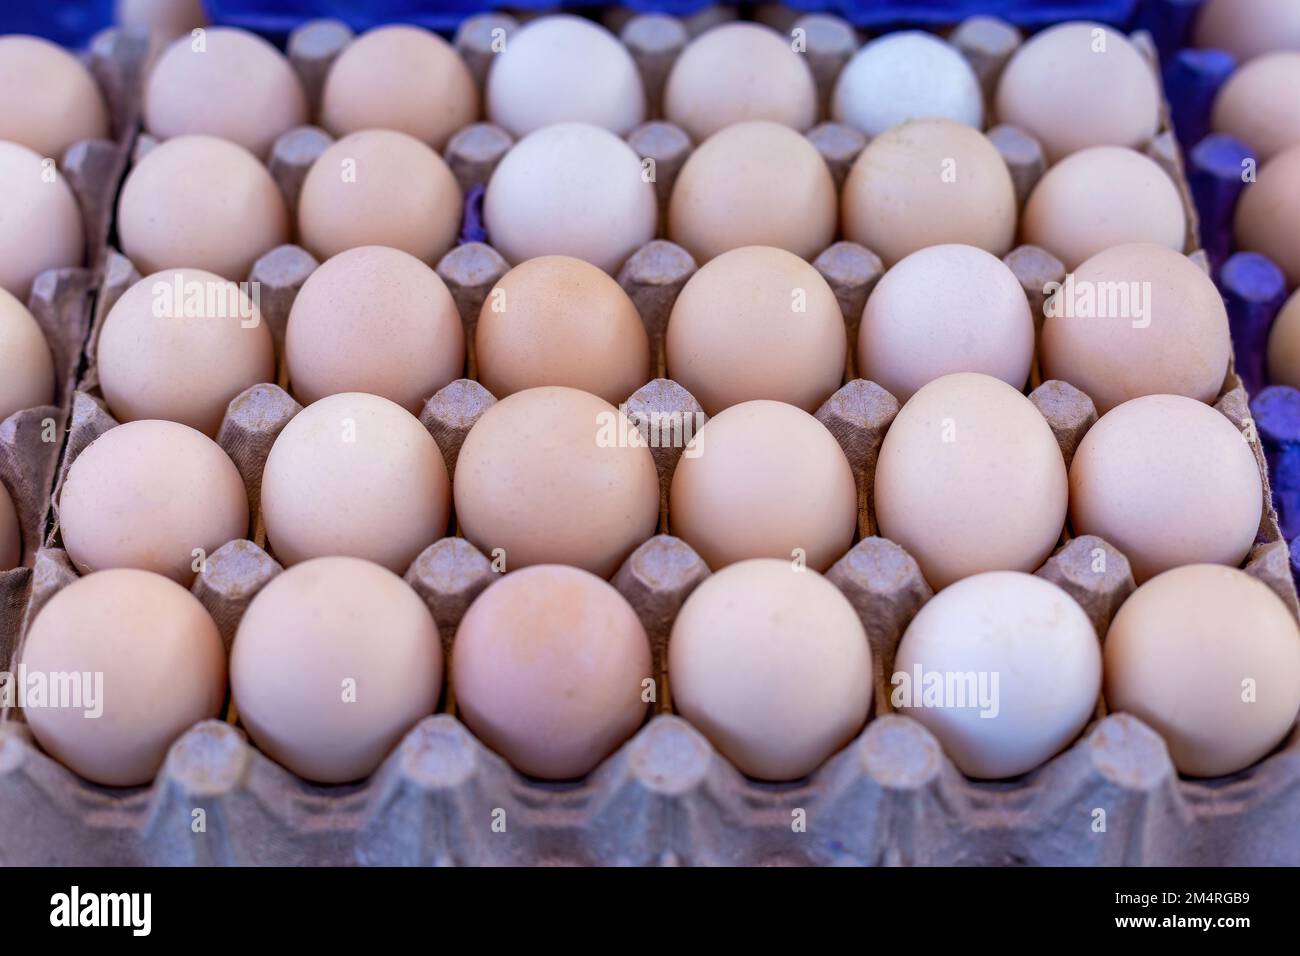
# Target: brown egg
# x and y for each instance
(556, 320)
(1284, 345)
(552, 670)
(402, 78)
(354, 475)
(737, 72)
(198, 202)
(151, 665)
(925, 183)
(379, 187)
(753, 184)
(1209, 657)
(556, 476)
(764, 480)
(773, 666)
(41, 226)
(1248, 28)
(48, 99)
(11, 537)
(1269, 211)
(970, 478)
(1137, 319)
(153, 495)
(1260, 104)
(334, 661)
(598, 203)
(1079, 84)
(757, 322)
(945, 309)
(1101, 197)
(378, 320)
(181, 344)
(28, 378)
(1169, 481)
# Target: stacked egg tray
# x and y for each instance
(665, 797)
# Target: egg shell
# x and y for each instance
(48, 99)
(773, 666)
(41, 227)
(1101, 197)
(735, 73)
(11, 538)
(180, 345)
(1210, 658)
(236, 86)
(402, 78)
(1169, 481)
(354, 475)
(970, 478)
(379, 187)
(163, 670)
(562, 69)
(199, 202)
(905, 76)
(1260, 104)
(1164, 329)
(596, 205)
(1079, 84)
(28, 378)
(146, 495)
(753, 184)
(1268, 214)
(1248, 28)
(557, 320)
(1284, 344)
(550, 669)
(944, 309)
(374, 319)
(555, 475)
(926, 183)
(1020, 667)
(334, 661)
(756, 322)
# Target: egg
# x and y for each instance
(772, 665)
(1283, 345)
(199, 202)
(753, 184)
(737, 72)
(334, 661)
(374, 319)
(1169, 481)
(151, 665)
(1004, 668)
(379, 187)
(1208, 657)
(1137, 319)
(153, 495)
(550, 669)
(562, 69)
(943, 309)
(1260, 103)
(1101, 197)
(41, 226)
(227, 83)
(1248, 28)
(354, 475)
(401, 78)
(557, 320)
(905, 76)
(764, 479)
(756, 322)
(926, 183)
(48, 99)
(598, 204)
(1079, 84)
(11, 537)
(1269, 211)
(180, 345)
(28, 379)
(970, 478)
(555, 475)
